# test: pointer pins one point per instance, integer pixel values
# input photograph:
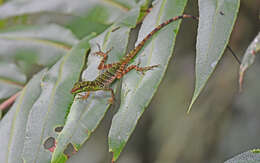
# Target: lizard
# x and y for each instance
(114, 71)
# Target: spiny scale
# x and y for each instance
(117, 70)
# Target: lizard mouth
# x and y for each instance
(73, 90)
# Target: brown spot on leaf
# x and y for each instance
(50, 144)
(70, 150)
(58, 129)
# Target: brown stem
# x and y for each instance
(9, 101)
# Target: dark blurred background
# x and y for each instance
(221, 124)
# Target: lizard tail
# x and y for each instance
(134, 52)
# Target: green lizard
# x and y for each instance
(119, 69)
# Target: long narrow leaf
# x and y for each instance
(252, 156)
(76, 7)
(12, 127)
(81, 17)
(249, 57)
(49, 111)
(31, 44)
(216, 21)
(138, 90)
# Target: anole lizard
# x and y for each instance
(119, 69)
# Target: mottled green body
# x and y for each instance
(100, 83)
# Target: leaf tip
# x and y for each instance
(113, 159)
(115, 155)
(195, 95)
(190, 106)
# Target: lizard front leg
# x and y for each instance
(102, 64)
(83, 97)
(112, 99)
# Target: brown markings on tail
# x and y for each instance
(134, 52)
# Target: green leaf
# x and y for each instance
(252, 156)
(12, 127)
(76, 8)
(11, 79)
(82, 17)
(31, 44)
(216, 21)
(49, 111)
(85, 115)
(249, 57)
(138, 90)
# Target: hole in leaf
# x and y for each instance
(70, 150)
(58, 129)
(50, 144)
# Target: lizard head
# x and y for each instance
(77, 88)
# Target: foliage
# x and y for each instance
(251, 156)
(249, 57)
(54, 43)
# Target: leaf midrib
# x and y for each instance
(117, 4)
(37, 40)
(11, 82)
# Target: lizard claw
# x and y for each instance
(111, 101)
(144, 69)
(79, 96)
(99, 47)
(100, 52)
(143, 72)
(83, 97)
(109, 50)
(139, 62)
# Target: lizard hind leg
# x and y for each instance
(137, 68)
(112, 99)
(102, 64)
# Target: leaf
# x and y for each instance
(49, 111)
(138, 90)
(85, 116)
(11, 79)
(12, 127)
(82, 17)
(252, 156)
(249, 57)
(76, 7)
(216, 21)
(32, 44)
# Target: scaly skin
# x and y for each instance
(119, 69)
